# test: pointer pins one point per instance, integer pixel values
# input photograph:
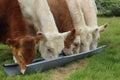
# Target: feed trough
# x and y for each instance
(40, 65)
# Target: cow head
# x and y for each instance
(52, 44)
(96, 35)
(24, 49)
(86, 39)
(72, 43)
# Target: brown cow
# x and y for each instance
(64, 23)
(14, 32)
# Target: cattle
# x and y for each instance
(80, 25)
(89, 10)
(14, 32)
(64, 23)
(38, 12)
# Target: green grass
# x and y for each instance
(104, 66)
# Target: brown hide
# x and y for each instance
(14, 32)
(12, 23)
(61, 15)
(63, 19)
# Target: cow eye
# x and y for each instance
(21, 56)
(50, 50)
(82, 43)
(76, 44)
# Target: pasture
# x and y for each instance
(104, 66)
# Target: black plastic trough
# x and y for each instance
(40, 65)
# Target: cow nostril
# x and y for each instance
(23, 71)
(49, 50)
(82, 43)
(76, 45)
(21, 56)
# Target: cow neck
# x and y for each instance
(45, 17)
(47, 23)
(76, 13)
(19, 33)
(61, 15)
(14, 24)
(90, 12)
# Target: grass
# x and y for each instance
(104, 66)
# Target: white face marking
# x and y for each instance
(22, 71)
(15, 60)
(74, 47)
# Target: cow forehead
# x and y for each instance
(53, 36)
(77, 39)
(27, 41)
(55, 43)
(54, 40)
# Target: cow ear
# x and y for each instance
(12, 43)
(38, 37)
(94, 31)
(71, 36)
(73, 33)
(65, 34)
(42, 35)
(103, 27)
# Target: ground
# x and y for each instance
(103, 66)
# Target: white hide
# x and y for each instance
(51, 45)
(40, 15)
(89, 10)
(96, 35)
(80, 25)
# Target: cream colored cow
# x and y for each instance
(79, 24)
(38, 13)
(89, 10)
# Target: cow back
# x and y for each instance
(12, 22)
(61, 15)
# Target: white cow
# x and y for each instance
(38, 13)
(79, 24)
(89, 10)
